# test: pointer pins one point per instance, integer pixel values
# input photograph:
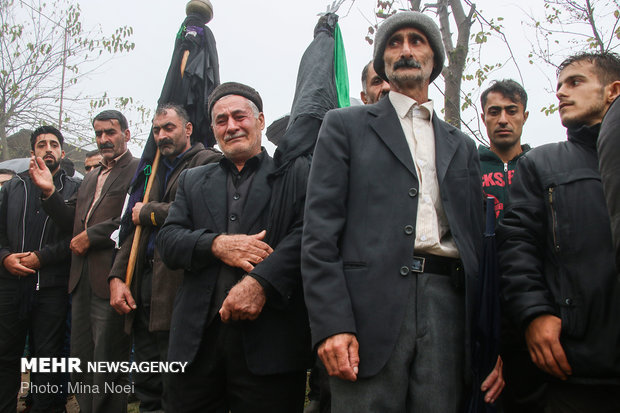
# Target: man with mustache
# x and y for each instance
(239, 318)
(392, 236)
(92, 160)
(504, 114)
(560, 283)
(373, 87)
(154, 285)
(35, 256)
(97, 332)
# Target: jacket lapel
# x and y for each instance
(384, 121)
(258, 196)
(89, 184)
(446, 144)
(213, 192)
(118, 169)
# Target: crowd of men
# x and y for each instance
(364, 264)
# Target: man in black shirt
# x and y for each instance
(239, 318)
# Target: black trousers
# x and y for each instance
(219, 381)
(149, 346)
(44, 318)
(580, 398)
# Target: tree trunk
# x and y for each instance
(4, 144)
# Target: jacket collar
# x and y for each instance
(584, 135)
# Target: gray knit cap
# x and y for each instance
(234, 88)
(418, 21)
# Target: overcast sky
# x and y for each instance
(260, 43)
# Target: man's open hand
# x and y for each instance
(240, 250)
(41, 176)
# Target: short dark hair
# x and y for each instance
(180, 111)
(94, 152)
(606, 64)
(41, 130)
(508, 88)
(365, 76)
(110, 115)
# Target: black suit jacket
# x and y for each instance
(278, 340)
(362, 193)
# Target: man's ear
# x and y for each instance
(62, 154)
(525, 116)
(363, 97)
(613, 91)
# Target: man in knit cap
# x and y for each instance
(391, 241)
(239, 318)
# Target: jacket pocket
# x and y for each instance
(572, 315)
(353, 265)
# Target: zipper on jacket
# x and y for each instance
(555, 221)
(505, 167)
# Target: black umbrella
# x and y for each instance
(486, 331)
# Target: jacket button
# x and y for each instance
(413, 192)
(236, 196)
(408, 229)
(404, 270)
(233, 217)
(568, 301)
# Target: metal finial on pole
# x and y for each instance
(202, 7)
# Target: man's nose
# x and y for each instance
(407, 49)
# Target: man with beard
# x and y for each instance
(559, 279)
(392, 236)
(373, 87)
(97, 332)
(239, 318)
(35, 255)
(503, 114)
(155, 285)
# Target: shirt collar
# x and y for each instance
(112, 163)
(250, 164)
(404, 105)
(175, 162)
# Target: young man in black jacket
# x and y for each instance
(35, 256)
(560, 283)
(504, 112)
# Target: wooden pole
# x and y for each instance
(133, 255)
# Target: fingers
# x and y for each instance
(494, 383)
(551, 359)
(354, 358)
(561, 360)
(555, 361)
(340, 356)
(120, 297)
(225, 313)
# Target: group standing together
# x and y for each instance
(365, 255)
